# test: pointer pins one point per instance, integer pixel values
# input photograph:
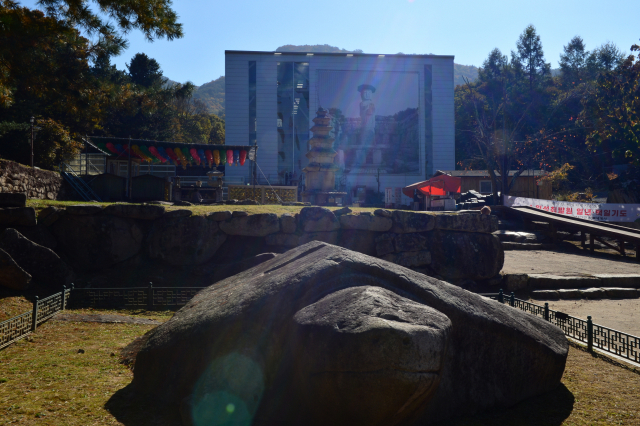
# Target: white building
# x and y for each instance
(393, 115)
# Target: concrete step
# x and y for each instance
(508, 245)
(593, 293)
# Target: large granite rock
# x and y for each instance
(365, 222)
(405, 222)
(318, 219)
(458, 256)
(11, 274)
(44, 265)
(135, 211)
(255, 225)
(84, 209)
(323, 335)
(185, 240)
(95, 242)
(17, 216)
(409, 258)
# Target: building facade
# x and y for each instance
(392, 115)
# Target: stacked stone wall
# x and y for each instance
(35, 183)
(454, 247)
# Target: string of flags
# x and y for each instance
(180, 156)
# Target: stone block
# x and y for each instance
(325, 237)
(288, 223)
(382, 213)
(361, 241)
(619, 280)
(84, 209)
(282, 239)
(49, 215)
(408, 222)
(515, 282)
(176, 213)
(318, 219)
(255, 225)
(384, 244)
(467, 222)
(365, 222)
(410, 258)
(13, 199)
(620, 293)
(410, 242)
(569, 294)
(135, 211)
(219, 216)
(239, 213)
(545, 295)
(593, 293)
(17, 216)
(550, 281)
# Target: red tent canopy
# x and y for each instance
(438, 185)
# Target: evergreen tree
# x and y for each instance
(531, 56)
(573, 62)
(145, 71)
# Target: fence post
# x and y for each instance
(150, 297)
(34, 315)
(589, 334)
(500, 296)
(64, 290)
(546, 311)
(512, 299)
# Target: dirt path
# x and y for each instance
(621, 315)
(563, 263)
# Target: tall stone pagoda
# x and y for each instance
(320, 174)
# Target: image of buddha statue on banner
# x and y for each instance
(367, 120)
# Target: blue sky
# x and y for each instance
(467, 29)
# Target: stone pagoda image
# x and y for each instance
(320, 174)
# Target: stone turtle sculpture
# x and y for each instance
(324, 335)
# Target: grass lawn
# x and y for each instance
(44, 380)
(203, 209)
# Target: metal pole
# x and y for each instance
(500, 296)
(512, 299)
(64, 290)
(293, 115)
(589, 334)
(34, 315)
(129, 171)
(546, 311)
(32, 141)
(150, 297)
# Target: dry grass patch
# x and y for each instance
(46, 381)
(12, 306)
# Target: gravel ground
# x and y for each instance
(562, 263)
(622, 315)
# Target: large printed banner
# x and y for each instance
(590, 211)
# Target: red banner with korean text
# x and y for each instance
(590, 211)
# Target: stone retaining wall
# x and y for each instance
(35, 183)
(455, 247)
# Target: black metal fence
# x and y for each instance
(16, 328)
(595, 336)
(148, 298)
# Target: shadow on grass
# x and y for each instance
(131, 410)
(550, 409)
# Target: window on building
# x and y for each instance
(293, 119)
(485, 187)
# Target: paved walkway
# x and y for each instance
(568, 264)
(621, 315)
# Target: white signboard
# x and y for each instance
(590, 211)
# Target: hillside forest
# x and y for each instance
(514, 112)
